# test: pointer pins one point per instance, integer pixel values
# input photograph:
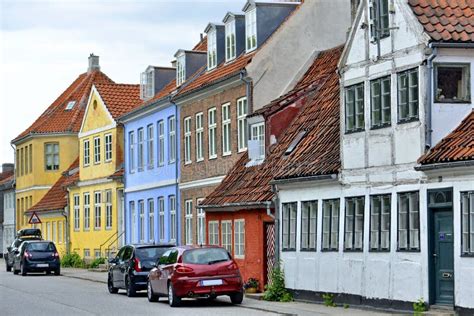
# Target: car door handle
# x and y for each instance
(435, 255)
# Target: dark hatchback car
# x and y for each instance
(21, 236)
(37, 256)
(129, 269)
(195, 272)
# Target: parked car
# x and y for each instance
(195, 272)
(129, 269)
(21, 236)
(36, 256)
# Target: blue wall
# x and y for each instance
(151, 182)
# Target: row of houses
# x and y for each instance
(332, 137)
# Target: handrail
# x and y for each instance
(111, 236)
(108, 247)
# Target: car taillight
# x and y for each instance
(184, 270)
(56, 254)
(27, 254)
(137, 265)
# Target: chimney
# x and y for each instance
(93, 63)
(7, 167)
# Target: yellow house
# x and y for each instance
(47, 148)
(95, 199)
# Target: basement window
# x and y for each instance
(70, 105)
(452, 82)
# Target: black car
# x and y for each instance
(129, 269)
(21, 236)
(36, 256)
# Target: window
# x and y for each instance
(330, 225)
(467, 223)
(141, 157)
(355, 108)
(309, 219)
(172, 139)
(108, 147)
(187, 140)
(55, 232)
(380, 206)
(96, 150)
(212, 133)
(131, 151)
(452, 83)
(70, 105)
(48, 231)
(380, 102)
(408, 95)
(213, 233)
(211, 49)
(199, 137)
(51, 156)
(408, 221)
(87, 253)
(77, 216)
(230, 41)
(242, 111)
(151, 220)
(257, 137)
(239, 238)
(108, 209)
(251, 30)
(97, 253)
(141, 212)
(147, 84)
(161, 143)
(226, 235)
(226, 145)
(289, 226)
(161, 210)
(379, 23)
(172, 206)
(97, 209)
(180, 69)
(133, 224)
(150, 136)
(26, 159)
(354, 224)
(87, 152)
(17, 165)
(22, 157)
(60, 232)
(201, 224)
(188, 222)
(31, 158)
(87, 211)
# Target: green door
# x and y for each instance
(443, 257)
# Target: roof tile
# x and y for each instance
(119, 98)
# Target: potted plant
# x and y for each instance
(251, 286)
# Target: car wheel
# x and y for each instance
(152, 297)
(15, 271)
(131, 292)
(173, 300)
(237, 298)
(110, 286)
(57, 271)
(9, 268)
(23, 270)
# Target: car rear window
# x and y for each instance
(41, 246)
(150, 253)
(206, 256)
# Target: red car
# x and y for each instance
(195, 272)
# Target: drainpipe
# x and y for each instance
(66, 218)
(248, 89)
(276, 202)
(430, 91)
(176, 164)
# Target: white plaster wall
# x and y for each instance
(317, 25)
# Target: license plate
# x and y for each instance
(211, 282)
(42, 265)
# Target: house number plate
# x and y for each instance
(447, 275)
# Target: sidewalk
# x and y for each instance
(84, 274)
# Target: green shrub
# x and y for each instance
(329, 300)
(72, 260)
(95, 263)
(419, 306)
(276, 291)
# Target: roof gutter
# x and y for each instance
(323, 177)
(452, 45)
(445, 165)
(241, 205)
(429, 87)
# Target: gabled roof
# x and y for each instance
(119, 98)
(458, 146)
(446, 20)
(58, 120)
(318, 150)
(56, 197)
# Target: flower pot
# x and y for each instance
(251, 290)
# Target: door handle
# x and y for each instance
(435, 255)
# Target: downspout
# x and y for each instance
(430, 91)
(66, 217)
(276, 202)
(248, 89)
(176, 165)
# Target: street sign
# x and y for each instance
(34, 219)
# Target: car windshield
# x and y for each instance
(150, 253)
(41, 247)
(206, 256)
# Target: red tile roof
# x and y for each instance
(58, 120)
(119, 98)
(118, 173)
(456, 147)
(56, 197)
(446, 20)
(317, 153)
(202, 45)
(6, 177)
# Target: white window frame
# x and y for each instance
(51, 157)
(97, 210)
(199, 136)
(77, 212)
(108, 210)
(226, 235)
(309, 220)
(161, 218)
(354, 223)
(411, 216)
(467, 224)
(172, 139)
(242, 127)
(257, 133)
(151, 220)
(230, 48)
(188, 222)
(239, 238)
(87, 253)
(150, 150)
(133, 222)
(96, 150)
(180, 69)
(330, 230)
(212, 129)
(251, 30)
(226, 130)
(201, 223)
(86, 152)
(211, 49)
(213, 229)
(380, 212)
(131, 151)
(141, 212)
(55, 232)
(60, 232)
(173, 222)
(87, 211)
(187, 140)
(141, 149)
(161, 142)
(108, 147)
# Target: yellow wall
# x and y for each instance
(53, 227)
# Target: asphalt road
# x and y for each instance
(40, 294)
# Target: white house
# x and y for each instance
(396, 223)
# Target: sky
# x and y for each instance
(44, 46)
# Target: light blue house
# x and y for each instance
(151, 161)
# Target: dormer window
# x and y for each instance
(211, 49)
(256, 144)
(251, 30)
(230, 50)
(180, 69)
(146, 84)
(379, 20)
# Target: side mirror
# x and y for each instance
(9, 248)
